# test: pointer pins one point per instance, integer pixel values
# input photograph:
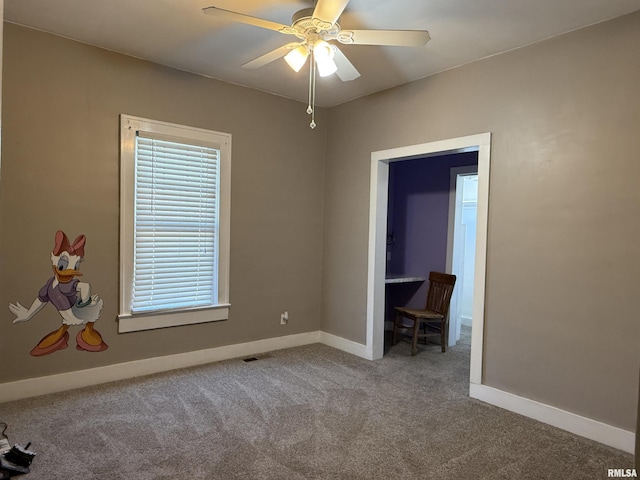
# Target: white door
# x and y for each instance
(462, 240)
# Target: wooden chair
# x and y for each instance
(434, 317)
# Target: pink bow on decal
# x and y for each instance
(63, 245)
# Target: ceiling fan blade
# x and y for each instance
(249, 20)
(329, 10)
(400, 38)
(346, 71)
(271, 56)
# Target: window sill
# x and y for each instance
(138, 322)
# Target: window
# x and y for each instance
(174, 224)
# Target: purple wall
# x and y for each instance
(418, 218)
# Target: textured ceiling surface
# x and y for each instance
(176, 33)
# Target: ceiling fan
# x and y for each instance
(315, 28)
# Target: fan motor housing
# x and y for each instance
(303, 21)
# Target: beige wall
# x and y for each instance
(562, 303)
(60, 170)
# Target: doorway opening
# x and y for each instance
(421, 227)
(378, 237)
(461, 243)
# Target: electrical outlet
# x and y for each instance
(284, 318)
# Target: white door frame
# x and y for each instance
(377, 237)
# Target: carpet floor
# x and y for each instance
(310, 412)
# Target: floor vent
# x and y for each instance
(250, 359)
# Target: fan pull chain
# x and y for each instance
(312, 91)
(310, 108)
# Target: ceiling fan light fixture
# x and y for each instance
(322, 51)
(326, 67)
(297, 57)
(314, 27)
(323, 54)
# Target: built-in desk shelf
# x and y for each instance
(389, 279)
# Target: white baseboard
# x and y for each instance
(83, 378)
(583, 426)
(345, 345)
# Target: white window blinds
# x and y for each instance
(175, 225)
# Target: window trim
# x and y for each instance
(129, 126)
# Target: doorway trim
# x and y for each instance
(378, 199)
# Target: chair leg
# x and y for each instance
(444, 337)
(394, 340)
(414, 340)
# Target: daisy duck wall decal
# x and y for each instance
(70, 297)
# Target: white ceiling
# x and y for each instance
(176, 33)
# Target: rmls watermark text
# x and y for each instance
(622, 473)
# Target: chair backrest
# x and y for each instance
(440, 291)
